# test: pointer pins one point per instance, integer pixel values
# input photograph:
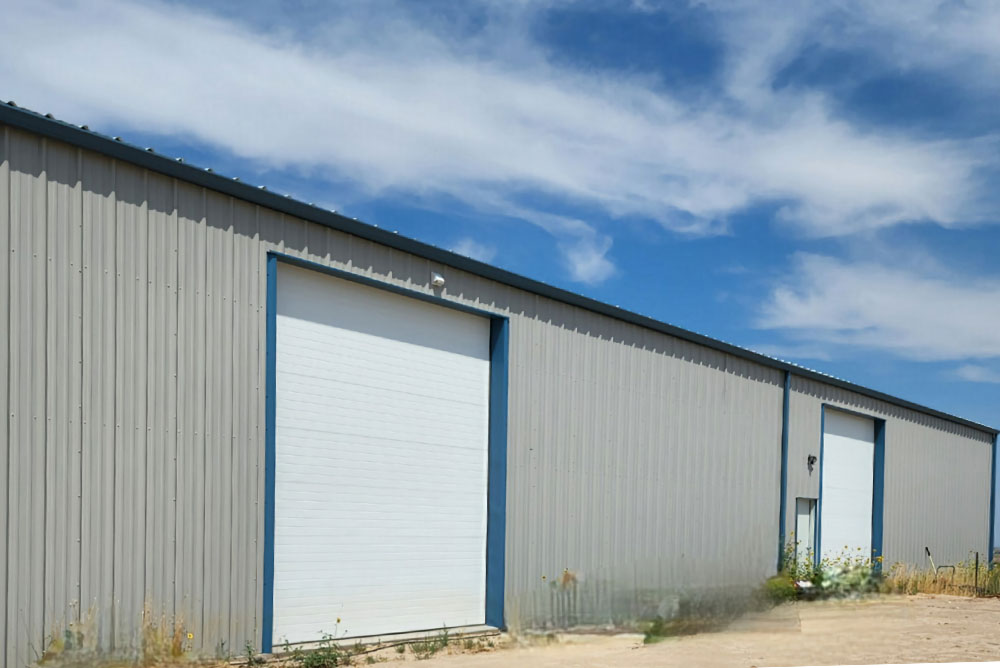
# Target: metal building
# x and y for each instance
(264, 421)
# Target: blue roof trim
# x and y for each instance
(59, 130)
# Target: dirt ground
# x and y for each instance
(910, 629)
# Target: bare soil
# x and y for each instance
(925, 628)
(903, 629)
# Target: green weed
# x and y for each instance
(659, 629)
(326, 654)
(253, 659)
(427, 648)
(779, 589)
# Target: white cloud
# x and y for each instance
(393, 106)
(474, 249)
(959, 38)
(975, 373)
(901, 310)
(587, 259)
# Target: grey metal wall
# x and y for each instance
(641, 463)
(937, 475)
(133, 439)
(131, 367)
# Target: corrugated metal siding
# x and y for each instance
(937, 474)
(27, 425)
(638, 466)
(63, 378)
(98, 336)
(638, 462)
(131, 434)
(5, 557)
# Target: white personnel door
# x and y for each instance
(848, 483)
(805, 518)
(381, 439)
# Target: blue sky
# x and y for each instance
(815, 181)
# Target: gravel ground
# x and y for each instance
(909, 629)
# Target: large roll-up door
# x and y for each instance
(848, 484)
(381, 443)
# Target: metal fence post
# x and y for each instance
(977, 576)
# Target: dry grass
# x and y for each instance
(162, 642)
(961, 580)
(165, 643)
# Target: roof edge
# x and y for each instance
(82, 137)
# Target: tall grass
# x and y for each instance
(962, 580)
(853, 573)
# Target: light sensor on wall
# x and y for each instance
(437, 280)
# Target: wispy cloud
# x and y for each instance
(587, 261)
(915, 315)
(975, 373)
(396, 106)
(471, 248)
(958, 38)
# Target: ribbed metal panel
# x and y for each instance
(937, 474)
(645, 467)
(26, 491)
(639, 464)
(98, 442)
(161, 398)
(6, 630)
(131, 435)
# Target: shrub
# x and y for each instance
(780, 588)
(654, 631)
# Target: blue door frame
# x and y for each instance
(496, 501)
(783, 482)
(878, 486)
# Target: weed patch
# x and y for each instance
(659, 629)
(252, 658)
(162, 641)
(326, 654)
(427, 648)
(848, 575)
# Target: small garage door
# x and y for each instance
(848, 483)
(381, 443)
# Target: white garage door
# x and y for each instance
(381, 438)
(848, 479)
